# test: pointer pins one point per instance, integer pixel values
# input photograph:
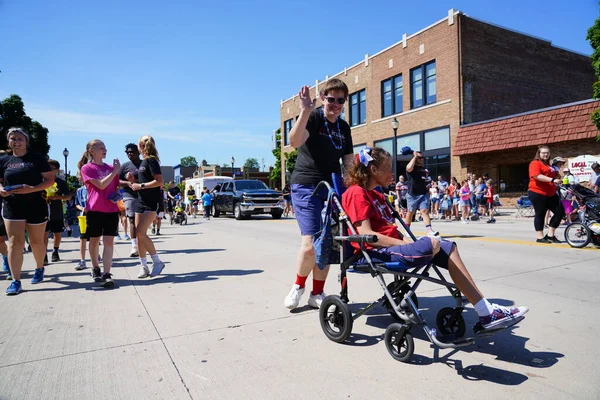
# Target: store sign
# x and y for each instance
(581, 167)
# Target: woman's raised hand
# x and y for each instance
(306, 103)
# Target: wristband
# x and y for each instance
(143, 185)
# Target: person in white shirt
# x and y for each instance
(594, 177)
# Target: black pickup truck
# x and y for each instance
(246, 197)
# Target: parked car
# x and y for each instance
(246, 197)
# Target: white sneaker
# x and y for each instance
(293, 298)
(157, 268)
(134, 252)
(144, 272)
(81, 265)
(315, 300)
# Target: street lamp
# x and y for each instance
(66, 154)
(395, 147)
(232, 170)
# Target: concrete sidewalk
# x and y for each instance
(214, 326)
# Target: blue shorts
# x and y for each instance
(420, 202)
(308, 208)
(434, 199)
(465, 203)
(455, 201)
(417, 254)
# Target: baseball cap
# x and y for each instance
(406, 150)
(566, 170)
(595, 165)
(558, 159)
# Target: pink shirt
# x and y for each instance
(98, 199)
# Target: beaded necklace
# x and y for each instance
(339, 133)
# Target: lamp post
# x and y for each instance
(232, 170)
(66, 154)
(395, 147)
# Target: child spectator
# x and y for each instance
(465, 196)
(489, 197)
(207, 199)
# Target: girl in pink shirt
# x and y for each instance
(102, 183)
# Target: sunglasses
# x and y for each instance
(331, 100)
(130, 152)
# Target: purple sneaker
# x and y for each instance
(501, 316)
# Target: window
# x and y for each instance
(358, 108)
(391, 96)
(386, 144)
(358, 147)
(287, 127)
(438, 165)
(513, 177)
(423, 85)
(437, 139)
(412, 141)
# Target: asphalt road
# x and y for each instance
(214, 326)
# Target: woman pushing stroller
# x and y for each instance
(367, 209)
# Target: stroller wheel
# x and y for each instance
(451, 322)
(336, 319)
(578, 235)
(399, 342)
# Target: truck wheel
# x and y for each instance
(277, 214)
(216, 213)
(237, 212)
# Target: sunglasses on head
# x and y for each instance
(340, 100)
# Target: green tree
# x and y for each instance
(12, 113)
(73, 183)
(188, 161)
(275, 175)
(593, 35)
(204, 163)
(251, 163)
(290, 161)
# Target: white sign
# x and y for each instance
(581, 167)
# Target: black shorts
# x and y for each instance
(170, 205)
(482, 201)
(55, 226)
(31, 209)
(142, 207)
(101, 224)
(2, 228)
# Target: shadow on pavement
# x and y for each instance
(187, 277)
(504, 346)
(188, 251)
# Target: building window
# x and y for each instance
(358, 147)
(412, 141)
(515, 177)
(287, 127)
(423, 85)
(391, 96)
(438, 165)
(386, 144)
(437, 139)
(358, 108)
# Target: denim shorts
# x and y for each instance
(420, 202)
(465, 203)
(417, 254)
(308, 208)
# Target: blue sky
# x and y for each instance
(206, 78)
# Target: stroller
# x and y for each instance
(399, 298)
(180, 216)
(587, 229)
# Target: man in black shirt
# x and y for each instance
(56, 223)
(171, 201)
(417, 197)
(128, 173)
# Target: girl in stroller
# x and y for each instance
(370, 214)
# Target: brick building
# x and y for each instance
(456, 71)
(504, 147)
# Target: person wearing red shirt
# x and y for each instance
(370, 215)
(489, 198)
(543, 183)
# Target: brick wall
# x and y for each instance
(506, 73)
(439, 43)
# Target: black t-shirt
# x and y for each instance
(26, 170)
(191, 193)
(148, 168)
(127, 167)
(174, 191)
(417, 181)
(56, 206)
(318, 157)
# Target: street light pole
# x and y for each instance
(395, 148)
(66, 154)
(232, 169)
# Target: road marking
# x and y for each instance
(488, 239)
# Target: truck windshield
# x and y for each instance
(250, 185)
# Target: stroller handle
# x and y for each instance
(322, 183)
(358, 238)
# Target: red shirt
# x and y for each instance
(361, 204)
(489, 194)
(536, 167)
